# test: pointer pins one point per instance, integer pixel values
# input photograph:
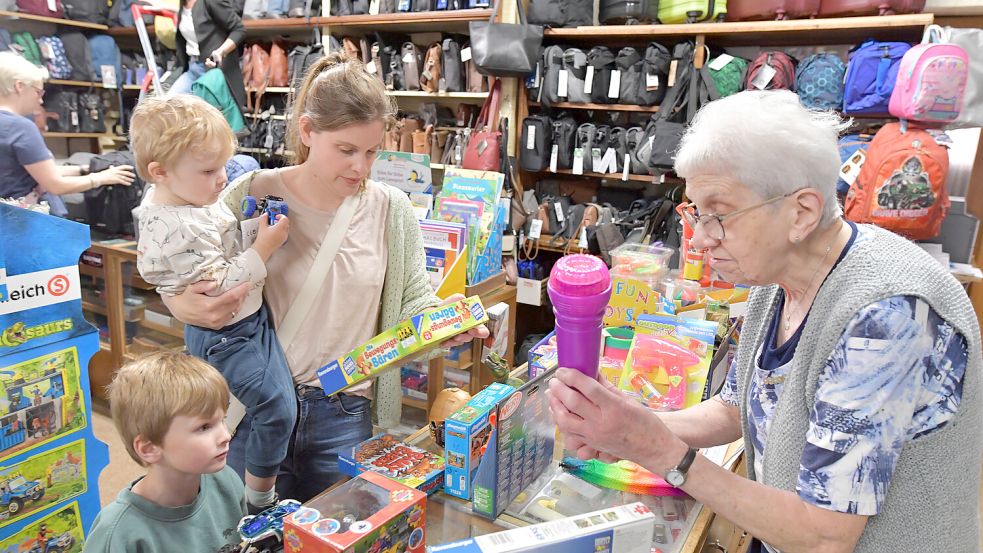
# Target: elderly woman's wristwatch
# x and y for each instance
(677, 474)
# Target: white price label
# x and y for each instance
(465, 54)
(530, 137)
(651, 82)
(589, 80)
(764, 76)
(409, 57)
(52, 5)
(595, 159)
(561, 87)
(583, 239)
(614, 89)
(720, 62)
(673, 66)
(370, 67)
(554, 157)
(374, 7)
(578, 161)
(250, 228)
(850, 169)
(108, 76)
(535, 229)
(558, 207)
(624, 172)
(75, 118)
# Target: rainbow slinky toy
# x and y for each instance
(623, 476)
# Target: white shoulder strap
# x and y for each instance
(301, 307)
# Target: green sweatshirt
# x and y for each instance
(134, 524)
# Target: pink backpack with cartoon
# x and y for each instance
(931, 81)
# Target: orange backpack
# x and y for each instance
(901, 186)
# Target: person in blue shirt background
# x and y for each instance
(27, 167)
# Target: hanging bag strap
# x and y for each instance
(489, 110)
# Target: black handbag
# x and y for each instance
(505, 49)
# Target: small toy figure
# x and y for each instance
(268, 523)
(271, 205)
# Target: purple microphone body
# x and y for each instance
(579, 288)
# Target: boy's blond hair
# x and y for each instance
(166, 128)
(149, 392)
(14, 68)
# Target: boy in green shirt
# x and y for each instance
(169, 409)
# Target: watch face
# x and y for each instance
(675, 478)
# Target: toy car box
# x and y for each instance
(624, 529)
(466, 432)
(406, 464)
(414, 335)
(369, 513)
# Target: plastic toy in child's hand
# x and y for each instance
(623, 476)
(268, 523)
(271, 205)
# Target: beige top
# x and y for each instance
(346, 311)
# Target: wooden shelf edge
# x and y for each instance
(77, 135)
(413, 402)
(66, 82)
(55, 20)
(603, 107)
(745, 27)
(389, 19)
(162, 329)
(613, 176)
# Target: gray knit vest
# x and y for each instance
(933, 500)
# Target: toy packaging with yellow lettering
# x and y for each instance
(417, 334)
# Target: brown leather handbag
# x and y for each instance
(483, 152)
(432, 68)
(475, 81)
(421, 140)
(390, 142)
(352, 51)
(256, 75)
(406, 134)
(279, 72)
(437, 144)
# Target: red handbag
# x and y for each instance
(483, 152)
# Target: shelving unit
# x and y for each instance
(76, 135)
(85, 84)
(601, 107)
(18, 16)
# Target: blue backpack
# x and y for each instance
(53, 52)
(6, 41)
(849, 144)
(870, 76)
(105, 52)
(819, 81)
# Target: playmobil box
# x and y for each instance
(387, 350)
(406, 464)
(624, 529)
(368, 513)
(520, 448)
(466, 434)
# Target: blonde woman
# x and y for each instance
(27, 168)
(376, 279)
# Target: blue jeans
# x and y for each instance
(276, 7)
(325, 427)
(250, 358)
(183, 83)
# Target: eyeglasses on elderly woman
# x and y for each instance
(713, 223)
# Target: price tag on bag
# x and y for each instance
(47, 51)
(558, 208)
(614, 89)
(554, 157)
(764, 76)
(530, 137)
(850, 169)
(589, 80)
(583, 239)
(409, 57)
(561, 88)
(465, 54)
(595, 159)
(370, 67)
(535, 229)
(651, 82)
(108, 76)
(578, 161)
(720, 62)
(673, 67)
(374, 7)
(482, 146)
(52, 5)
(627, 166)
(75, 118)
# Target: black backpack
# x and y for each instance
(109, 209)
(561, 13)
(91, 11)
(453, 67)
(575, 64)
(536, 143)
(601, 59)
(91, 113)
(551, 63)
(585, 141)
(300, 59)
(655, 74)
(563, 138)
(79, 55)
(629, 63)
(65, 109)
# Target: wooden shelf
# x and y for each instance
(89, 270)
(841, 30)
(546, 244)
(89, 306)
(612, 176)
(65, 82)
(413, 402)
(604, 107)
(446, 21)
(54, 20)
(179, 333)
(441, 166)
(77, 135)
(422, 94)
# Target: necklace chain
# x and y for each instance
(788, 316)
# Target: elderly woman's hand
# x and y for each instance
(480, 332)
(601, 421)
(194, 305)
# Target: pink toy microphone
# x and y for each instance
(579, 288)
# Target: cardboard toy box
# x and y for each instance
(624, 529)
(466, 432)
(543, 356)
(368, 513)
(406, 464)
(387, 350)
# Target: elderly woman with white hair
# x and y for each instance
(856, 384)
(26, 165)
